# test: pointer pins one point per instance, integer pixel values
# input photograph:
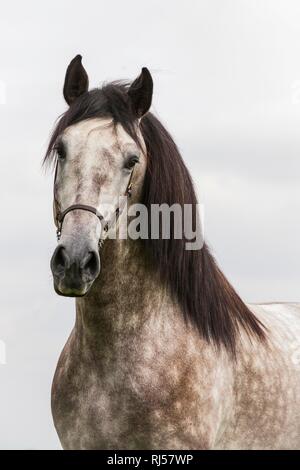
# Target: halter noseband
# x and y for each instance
(105, 225)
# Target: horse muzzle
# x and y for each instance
(74, 269)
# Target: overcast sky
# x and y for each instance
(227, 85)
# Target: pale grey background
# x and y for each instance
(227, 84)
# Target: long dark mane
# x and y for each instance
(206, 297)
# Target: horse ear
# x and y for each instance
(76, 80)
(140, 93)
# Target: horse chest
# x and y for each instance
(128, 405)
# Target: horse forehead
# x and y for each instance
(97, 133)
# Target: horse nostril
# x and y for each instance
(91, 264)
(60, 260)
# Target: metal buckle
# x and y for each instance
(129, 190)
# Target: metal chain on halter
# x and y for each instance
(118, 212)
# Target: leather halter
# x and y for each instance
(84, 207)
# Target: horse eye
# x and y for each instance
(131, 162)
(60, 150)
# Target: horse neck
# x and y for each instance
(127, 294)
